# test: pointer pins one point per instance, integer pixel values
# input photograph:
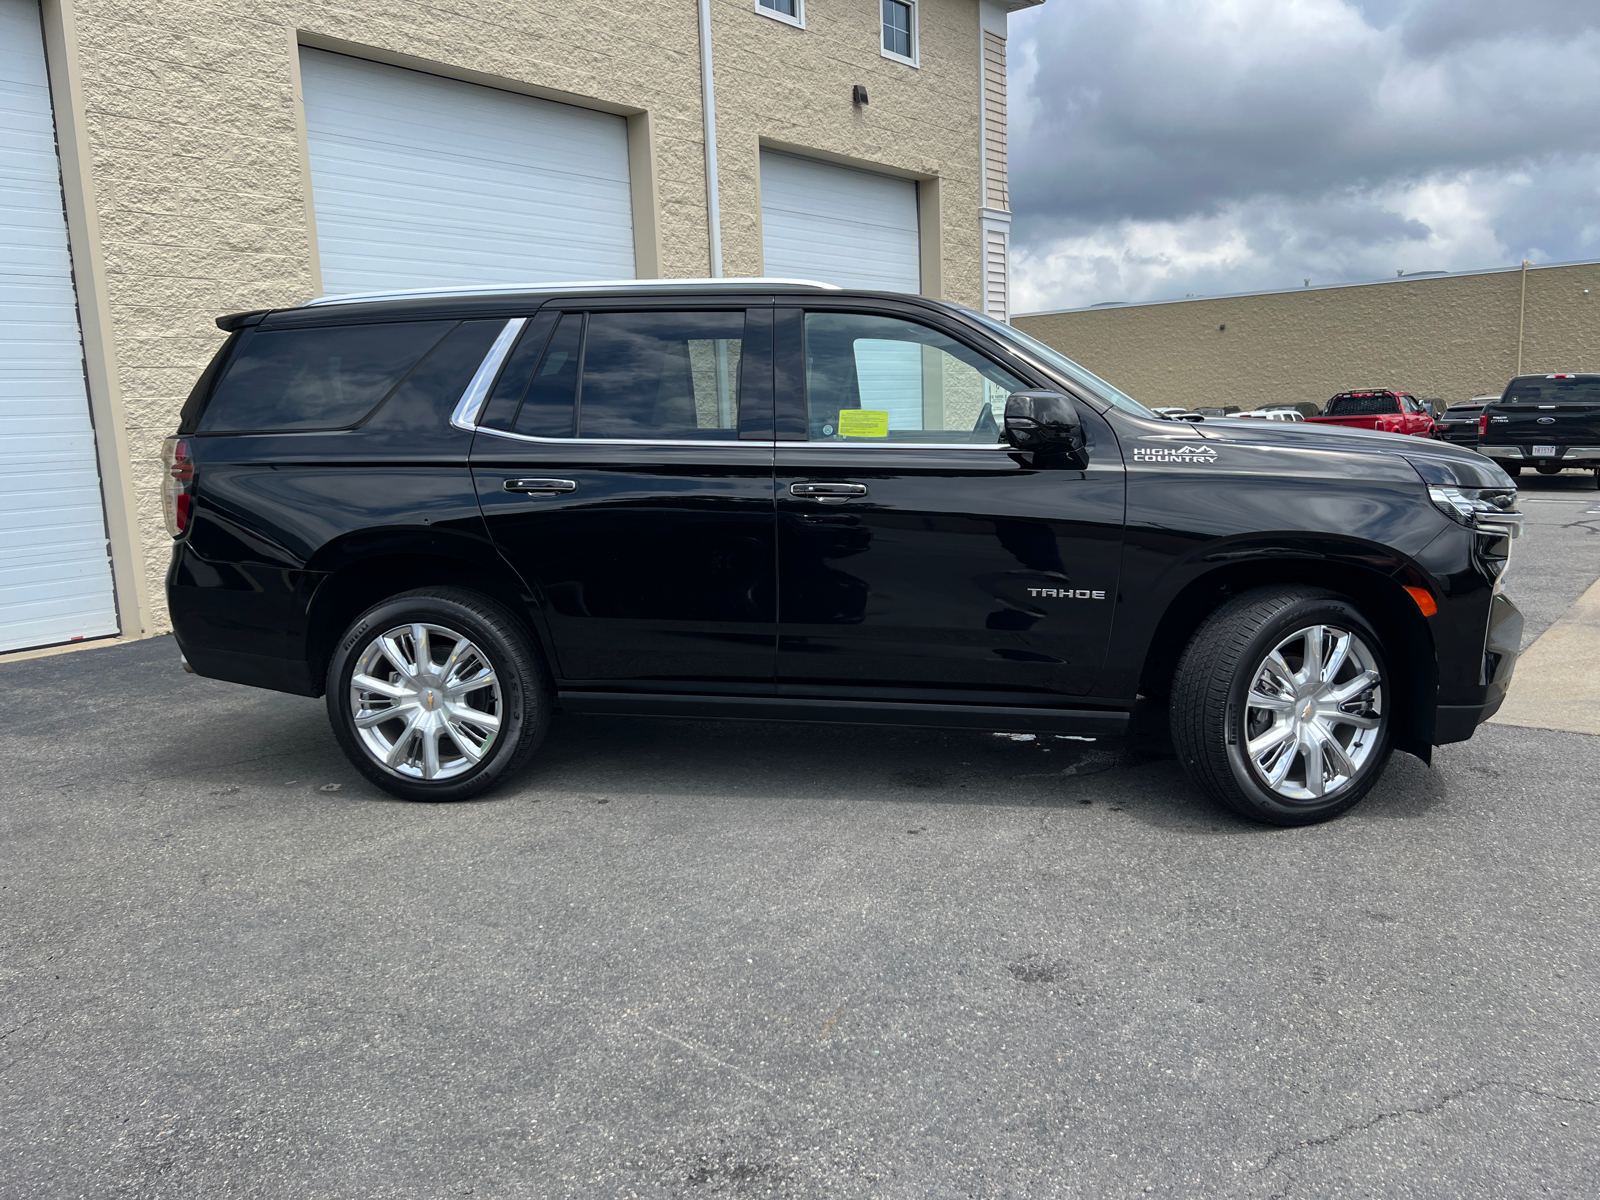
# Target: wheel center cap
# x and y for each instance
(1307, 709)
(430, 699)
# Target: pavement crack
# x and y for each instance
(707, 1055)
(1419, 1111)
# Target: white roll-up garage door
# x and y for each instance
(421, 181)
(55, 572)
(838, 225)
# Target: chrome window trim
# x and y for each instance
(582, 441)
(901, 445)
(737, 443)
(470, 406)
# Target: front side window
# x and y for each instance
(661, 375)
(900, 29)
(880, 379)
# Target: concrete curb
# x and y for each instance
(1557, 682)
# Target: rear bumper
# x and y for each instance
(1586, 456)
(1502, 642)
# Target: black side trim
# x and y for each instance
(849, 712)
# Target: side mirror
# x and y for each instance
(1044, 423)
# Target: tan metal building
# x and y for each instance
(1444, 336)
(164, 161)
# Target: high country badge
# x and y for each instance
(1202, 455)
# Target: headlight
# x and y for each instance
(1486, 509)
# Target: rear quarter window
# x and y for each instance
(324, 378)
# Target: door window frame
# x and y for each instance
(792, 418)
(755, 392)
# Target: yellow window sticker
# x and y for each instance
(863, 422)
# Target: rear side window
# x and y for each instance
(325, 378)
(658, 375)
(1362, 406)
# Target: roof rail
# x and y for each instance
(497, 289)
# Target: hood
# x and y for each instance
(1437, 462)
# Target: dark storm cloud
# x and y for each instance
(1303, 122)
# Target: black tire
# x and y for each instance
(521, 705)
(1511, 469)
(1209, 715)
(1551, 469)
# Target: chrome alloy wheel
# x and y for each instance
(1314, 713)
(425, 701)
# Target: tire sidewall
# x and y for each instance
(1304, 613)
(516, 694)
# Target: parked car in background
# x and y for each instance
(1379, 409)
(1549, 421)
(1280, 412)
(1459, 424)
(451, 512)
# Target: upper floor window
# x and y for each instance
(791, 11)
(900, 30)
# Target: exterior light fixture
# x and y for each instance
(858, 95)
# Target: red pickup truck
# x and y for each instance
(1381, 409)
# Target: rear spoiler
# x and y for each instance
(234, 321)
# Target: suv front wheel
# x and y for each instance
(436, 694)
(1282, 705)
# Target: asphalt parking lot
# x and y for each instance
(701, 960)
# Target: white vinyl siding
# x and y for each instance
(55, 570)
(996, 298)
(838, 225)
(422, 181)
(997, 190)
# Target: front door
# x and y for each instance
(614, 479)
(919, 556)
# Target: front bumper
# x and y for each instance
(1502, 643)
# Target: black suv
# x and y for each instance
(452, 512)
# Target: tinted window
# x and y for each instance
(1553, 391)
(328, 378)
(872, 378)
(429, 394)
(660, 375)
(500, 410)
(1362, 406)
(547, 405)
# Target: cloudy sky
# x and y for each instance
(1163, 148)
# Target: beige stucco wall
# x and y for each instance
(1449, 337)
(192, 131)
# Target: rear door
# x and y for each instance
(624, 467)
(919, 556)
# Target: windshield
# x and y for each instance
(1054, 359)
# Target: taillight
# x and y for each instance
(1483, 425)
(177, 483)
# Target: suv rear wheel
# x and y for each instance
(436, 694)
(1281, 705)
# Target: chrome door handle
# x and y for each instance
(835, 492)
(541, 487)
